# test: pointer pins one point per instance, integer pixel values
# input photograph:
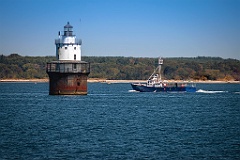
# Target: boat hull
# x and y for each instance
(144, 88)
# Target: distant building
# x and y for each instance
(68, 75)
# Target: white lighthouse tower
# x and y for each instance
(68, 75)
(68, 47)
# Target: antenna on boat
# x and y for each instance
(160, 62)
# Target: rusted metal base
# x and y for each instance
(67, 83)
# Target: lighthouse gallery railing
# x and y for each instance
(68, 67)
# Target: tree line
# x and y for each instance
(16, 66)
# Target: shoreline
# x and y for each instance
(95, 80)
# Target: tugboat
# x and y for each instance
(155, 83)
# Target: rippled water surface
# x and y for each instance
(114, 122)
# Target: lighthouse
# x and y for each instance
(68, 75)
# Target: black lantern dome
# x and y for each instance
(68, 30)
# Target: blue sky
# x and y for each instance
(137, 28)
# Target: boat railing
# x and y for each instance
(170, 84)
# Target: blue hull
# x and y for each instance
(143, 88)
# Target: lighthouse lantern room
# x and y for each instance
(68, 75)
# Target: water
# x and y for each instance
(113, 122)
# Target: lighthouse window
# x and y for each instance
(65, 47)
(74, 56)
(74, 66)
(74, 48)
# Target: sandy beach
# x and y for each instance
(23, 80)
(96, 80)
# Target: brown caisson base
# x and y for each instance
(67, 84)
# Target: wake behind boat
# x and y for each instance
(155, 83)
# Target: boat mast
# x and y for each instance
(160, 62)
